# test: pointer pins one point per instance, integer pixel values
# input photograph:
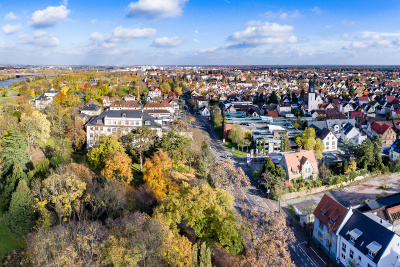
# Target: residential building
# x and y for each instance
(45, 99)
(91, 110)
(329, 218)
(394, 152)
(387, 132)
(119, 122)
(204, 111)
(284, 109)
(153, 94)
(157, 106)
(350, 133)
(368, 241)
(329, 140)
(299, 164)
(124, 105)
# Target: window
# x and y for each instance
(96, 128)
(113, 130)
(91, 128)
(101, 128)
(91, 135)
(333, 143)
(147, 123)
(369, 265)
(343, 256)
(359, 258)
(351, 253)
(127, 123)
(319, 235)
(136, 123)
(109, 130)
(343, 247)
(321, 225)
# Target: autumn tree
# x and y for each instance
(236, 134)
(165, 88)
(103, 148)
(324, 173)
(216, 116)
(19, 218)
(118, 167)
(7, 122)
(140, 140)
(36, 129)
(268, 241)
(139, 240)
(157, 174)
(208, 211)
(307, 140)
(63, 192)
(77, 134)
(13, 151)
(224, 175)
(175, 144)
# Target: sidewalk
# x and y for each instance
(316, 254)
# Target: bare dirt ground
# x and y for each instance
(356, 193)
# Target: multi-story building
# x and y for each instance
(299, 164)
(124, 105)
(329, 140)
(119, 122)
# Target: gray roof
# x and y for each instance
(91, 107)
(119, 114)
(384, 201)
(372, 232)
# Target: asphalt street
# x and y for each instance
(256, 200)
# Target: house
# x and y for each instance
(363, 100)
(350, 133)
(124, 105)
(329, 218)
(106, 101)
(300, 164)
(45, 99)
(387, 132)
(329, 140)
(394, 153)
(91, 110)
(368, 242)
(158, 106)
(204, 111)
(284, 109)
(153, 94)
(119, 122)
(345, 108)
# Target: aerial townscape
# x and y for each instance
(277, 146)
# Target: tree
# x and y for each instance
(165, 88)
(13, 151)
(285, 143)
(351, 91)
(216, 116)
(36, 129)
(224, 175)
(103, 148)
(140, 140)
(352, 263)
(139, 240)
(157, 174)
(9, 185)
(63, 192)
(236, 134)
(273, 98)
(77, 134)
(268, 240)
(308, 141)
(19, 218)
(118, 167)
(208, 211)
(324, 173)
(175, 144)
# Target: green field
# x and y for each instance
(7, 244)
(236, 153)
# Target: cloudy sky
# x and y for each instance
(201, 32)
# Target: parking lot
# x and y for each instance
(356, 193)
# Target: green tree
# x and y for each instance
(176, 145)
(351, 91)
(140, 140)
(19, 218)
(308, 141)
(273, 98)
(208, 211)
(9, 185)
(236, 134)
(13, 151)
(216, 116)
(103, 148)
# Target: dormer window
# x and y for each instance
(354, 235)
(124, 115)
(147, 123)
(373, 249)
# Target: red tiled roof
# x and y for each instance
(273, 113)
(328, 211)
(379, 128)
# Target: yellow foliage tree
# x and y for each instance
(118, 167)
(157, 174)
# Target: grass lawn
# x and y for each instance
(137, 174)
(7, 244)
(236, 153)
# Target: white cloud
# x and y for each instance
(156, 9)
(317, 10)
(8, 29)
(121, 34)
(40, 39)
(65, 2)
(94, 21)
(196, 41)
(168, 42)
(196, 31)
(49, 16)
(289, 15)
(369, 35)
(347, 22)
(258, 33)
(10, 16)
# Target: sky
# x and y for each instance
(200, 32)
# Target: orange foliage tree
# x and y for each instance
(118, 167)
(157, 174)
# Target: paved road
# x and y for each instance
(255, 199)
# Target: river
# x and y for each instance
(6, 83)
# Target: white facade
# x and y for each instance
(353, 135)
(313, 101)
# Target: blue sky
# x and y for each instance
(200, 32)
